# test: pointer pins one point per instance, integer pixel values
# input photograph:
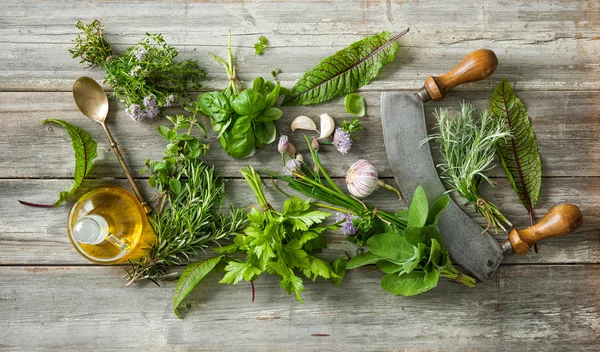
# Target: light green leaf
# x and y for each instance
(338, 267)
(214, 105)
(292, 283)
(317, 267)
(419, 209)
(304, 221)
(175, 185)
(261, 45)
(389, 267)
(363, 259)
(405, 284)
(354, 104)
(345, 71)
(249, 103)
(190, 277)
(86, 150)
(392, 246)
(295, 257)
(295, 205)
(519, 154)
(271, 114)
(431, 276)
(436, 210)
(238, 271)
(273, 96)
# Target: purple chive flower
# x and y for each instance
(283, 144)
(347, 228)
(291, 166)
(135, 112)
(342, 141)
(170, 100)
(140, 53)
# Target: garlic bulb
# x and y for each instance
(303, 123)
(362, 178)
(327, 126)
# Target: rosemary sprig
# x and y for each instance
(188, 215)
(468, 149)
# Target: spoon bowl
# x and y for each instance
(91, 99)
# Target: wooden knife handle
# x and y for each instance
(560, 220)
(476, 66)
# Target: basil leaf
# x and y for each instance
(271, 114)
(409, 284)
(259, 86)
(392, 246)
(241, 140)
(269, 132)
(273, 95)
(248, 103)
(418, 210)
(345, 71)
(215, 105)
(190, 277)
(86, 150)
(354, 104)
(362, 260)
(436, 210)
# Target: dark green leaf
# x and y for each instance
(354, 104)
(362, 259)
(519, 154)
(345, 71)
(392, 246)
(436, 210)
(86, 150)
(164, 131)
(405, 284)
(269, 132)
(431, 277)
(190, 277)
(258, 85)
(241, 141)
(338, 267)
(418, 210)
(215, 105)
(272, 114)
(273, 95)
(175, 185)
(249, 103)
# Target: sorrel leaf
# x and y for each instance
(345, 71)
(85, 148)
(190, 277)
(519, 154)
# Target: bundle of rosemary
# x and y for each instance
(468, 148)
(146, 76)
(188, 215)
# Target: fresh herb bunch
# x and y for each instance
(468, 149)
(243, 118)
(188, 215)
(280, 243)
(146, 76)
(385, 234)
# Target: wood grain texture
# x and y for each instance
(38, 236)
(566, 125)
(88, 308)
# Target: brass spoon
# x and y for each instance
(93, 103)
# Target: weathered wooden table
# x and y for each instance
(52, 299)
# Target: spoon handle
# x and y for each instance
(125, 168)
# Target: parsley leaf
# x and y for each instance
(261, 45)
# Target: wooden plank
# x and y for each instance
(38, 236)
(88, 308)
(566, 125)
(35, 38)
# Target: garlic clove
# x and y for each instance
(327, 126)
(303, 123)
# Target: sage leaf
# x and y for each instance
(418, 209)
(190, 277)
(405, 284)
(436, 210)
(518, 154)
(392, 246)
(354, 104)
(345, 71)
(86, 150)
(362, 260)
(389, 267)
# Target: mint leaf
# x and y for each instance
(85, 148)
(190, 277)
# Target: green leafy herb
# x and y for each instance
(407, 246)
(244, 118)
(188, 215)
(345, 71)
(261, 45)
(85, 148)
(146, 76)
(280, 243)
(190, 277)
(355, 104)
(275, 73)
(468, 149)
(518, 154)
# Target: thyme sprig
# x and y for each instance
(468, 148)
(188, 215)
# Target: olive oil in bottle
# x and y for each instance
(108, 225)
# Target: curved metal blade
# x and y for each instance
(404, 128)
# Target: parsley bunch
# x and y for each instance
(146, 76)
(281, 243)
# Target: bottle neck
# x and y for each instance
(90, 229)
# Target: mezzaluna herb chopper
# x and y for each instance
(108, 224)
